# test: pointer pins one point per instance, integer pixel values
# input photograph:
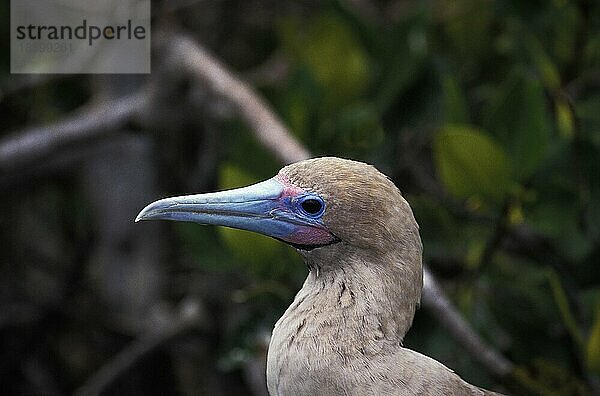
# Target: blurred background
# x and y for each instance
(485, 113)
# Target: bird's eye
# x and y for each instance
(312, 205)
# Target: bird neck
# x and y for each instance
(369, 295)
(353, 307)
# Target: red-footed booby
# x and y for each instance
(343, 333)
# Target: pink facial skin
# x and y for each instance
(309, 234)
(289, 190)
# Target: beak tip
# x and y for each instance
(143, 215)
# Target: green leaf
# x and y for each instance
(518, 118)
(471, 165)
(593, 345)
(565, 22)
(549, 75)
(560, 298)
(564, 119)
(332, 53)
(455, 103)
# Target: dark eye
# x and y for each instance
(313, 206)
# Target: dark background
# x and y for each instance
(485, 113)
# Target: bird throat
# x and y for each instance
(370, 296)
(354, 308)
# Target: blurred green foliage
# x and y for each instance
(485, 113)
(497, 103)
(471, 165)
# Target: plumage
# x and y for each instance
(343, 333)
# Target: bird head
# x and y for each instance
(322, 204)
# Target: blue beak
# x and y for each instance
(263, 207)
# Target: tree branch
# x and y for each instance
(436, 301)
(267, 127)
(189, 315)
(31, 144)
(34, 143)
